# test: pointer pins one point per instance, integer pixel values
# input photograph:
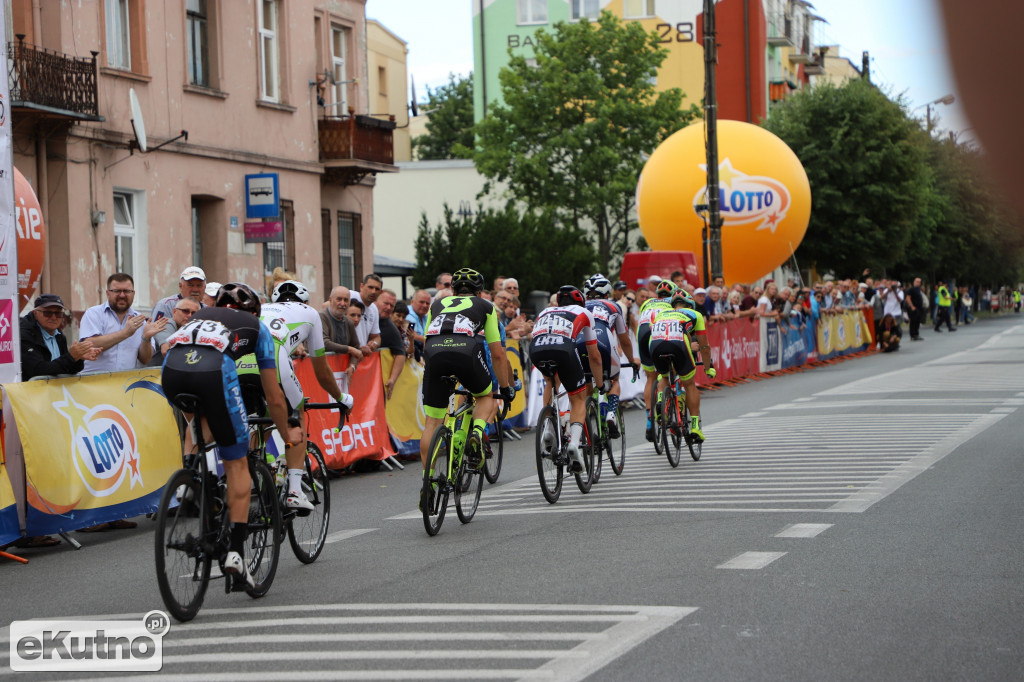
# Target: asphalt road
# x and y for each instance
(858, 521)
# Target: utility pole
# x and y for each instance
(865, 66)
(713, 232)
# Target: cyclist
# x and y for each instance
(292, 322)
(201, 361)
(643, 336)
(453, 347)
(608, 317)
(671, 334)
(555, 334)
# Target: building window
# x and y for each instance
(638, 9)
(382, 81)
(347, 249)
(118, 27)
(339, 48)
(533, 11)
(124, 233)
(198, 43)
(270, 81)
(584, 9)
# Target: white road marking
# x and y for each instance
(346, 534)
(751, 560)
(803, 530)
(1003, 410)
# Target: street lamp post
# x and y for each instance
(946, 99)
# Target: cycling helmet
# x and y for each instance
(467, 281)
(290, 290)
(570, 295)
(239, 296)
(597, 286)
(680, 297)
(665, 288)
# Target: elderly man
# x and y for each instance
(191, 284)
(443, 281)
(390, 337)
(119, 329)
(180, 315)
(700, 296)
(369, 324)
(417, 317)
(44, 348)
(511, 285)
(340, 334)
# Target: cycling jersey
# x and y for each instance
(553, 347)
(608, 319)
(670, 340)
(643, 333)
(292, 323)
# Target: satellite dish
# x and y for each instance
(138, 125)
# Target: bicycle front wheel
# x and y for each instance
(494, 451)
(589, 445)
(263, 541)
(182, 562)
(692, 443)
(672, 434)
(440, 456)
(549, 471)
(617, 463)
(308, 533)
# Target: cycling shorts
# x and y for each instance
(643, 338)
(562, 359)
(681, 357)
(462, 360)
(211, 377)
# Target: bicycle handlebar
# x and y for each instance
(342, 410)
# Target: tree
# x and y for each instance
(450, 126)
(526, 246)
(570, 138)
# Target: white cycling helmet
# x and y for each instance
(290, 290)
(597, 286)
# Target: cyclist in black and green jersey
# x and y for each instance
(643, 336)
(453, 348)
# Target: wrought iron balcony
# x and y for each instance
(353, 146)
(52, 83)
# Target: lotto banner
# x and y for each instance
(96, 448)
(365, 434)
(9, 527)
(735, 349)
(842, 334)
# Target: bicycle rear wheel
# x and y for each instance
(467, 491)
(692, 443)
(263, 541)
(440, 455)
(306, 534)
(182, 564)
(616, 464)
(672, 435)
(655, 416)
(549, 471)
(495, 451)
(589, 445)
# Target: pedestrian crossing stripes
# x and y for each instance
(766, 464)
(407, 641)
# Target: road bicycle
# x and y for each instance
(193, 528)
(450, 472)
(553, 443)
(674, 425)
(307, 530)
(607, 444)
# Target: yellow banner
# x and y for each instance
(843, 333)
(97, 448)
(9, 528)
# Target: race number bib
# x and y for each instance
(553, 324)
(209, 333)
(668, 330)
(278, 329)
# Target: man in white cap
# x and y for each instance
(210, 295)
(192, 284)
(653, 281)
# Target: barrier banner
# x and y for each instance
(365, 434)
(770, 357)
(96, 448)
(735, 349)
(405, 409)
(10, 529)
(794, 342)
(842, 334)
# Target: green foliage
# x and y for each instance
(528, 247)
(568, 140)
(450, 126)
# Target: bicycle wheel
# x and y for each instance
(440, 455)
(616, 464)
(549, 471)
(654, 414)
(672, 435)
(494, 452)
(467, 492)
(589, 444)
(602, 442)
(263, 542)
(692, 443)
(307, 533)
(182, 564)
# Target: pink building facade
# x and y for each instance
(270, 87)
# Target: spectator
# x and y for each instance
(390, 337)
(889, 334)
(715, 301)
(44, 348)
(118, 329)
(210, 294)
(704, 305)
(191, 284)
(915, 309)
(340, 334)
(369, 327)
(733, 304)
(181, 313)
(766, 302)
(443, 293)
(652, 282)
(619, 290)
(418, 309)
(968, 302)
(750, 300)
(400, 316)
(847, 298)
(443, 281)
(784, 304)
(892, 300)
(678, 278)
(499, 282)
(511, 285)
(355, 314)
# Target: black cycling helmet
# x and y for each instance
(239, 296)
(570, 295)
(467, 281)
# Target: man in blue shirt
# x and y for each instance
(118, 329)
(44, 348)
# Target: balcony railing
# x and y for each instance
(802, 55)
(780, 30)
(50, 79)
(357, 138)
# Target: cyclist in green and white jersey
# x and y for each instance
(643, 336)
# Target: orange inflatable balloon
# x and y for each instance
(765, 199)
(31, 238)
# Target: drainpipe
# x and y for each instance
(746, 56)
